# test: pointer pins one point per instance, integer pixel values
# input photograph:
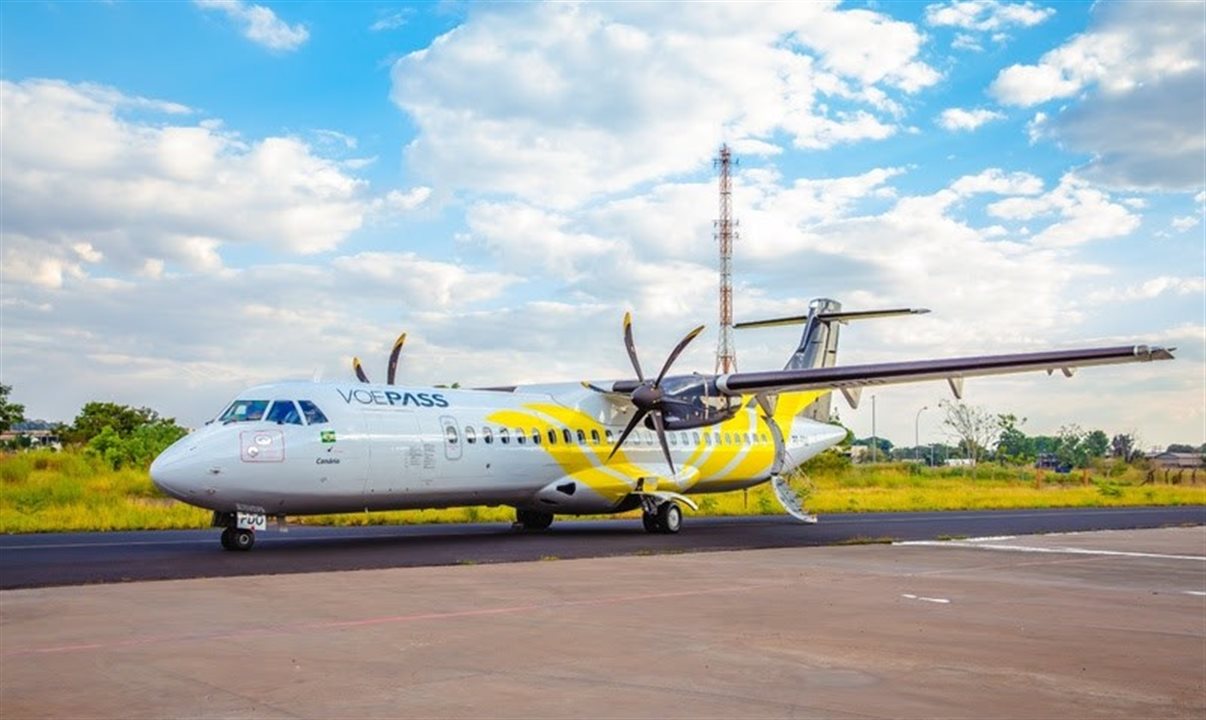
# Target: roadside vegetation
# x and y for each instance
(46, 491)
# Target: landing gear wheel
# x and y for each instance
(669, 518)
(534, 519)
(649, 520)
(238, 539)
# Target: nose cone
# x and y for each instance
(170, 471)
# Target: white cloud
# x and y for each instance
(1184, 222)
(614, 95)
(1136, 78)
(956, 119)
(78, 170)
(1085, 212)
(996, 181)
(392, 20)
(985, 15)
(401, 202)
(1150, 289)
(259, 24)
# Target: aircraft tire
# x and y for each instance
(242, 540)
(534, 519)
(226, 544)
(649, 520)
(669, 518)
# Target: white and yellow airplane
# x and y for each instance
(302, 448)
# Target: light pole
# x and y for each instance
(874, 439)
(916, 431)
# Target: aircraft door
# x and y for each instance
(452, 437)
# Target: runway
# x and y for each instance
(88, 558)
(1105, 624)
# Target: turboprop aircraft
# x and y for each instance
(302, 448)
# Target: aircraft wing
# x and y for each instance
(850, 379)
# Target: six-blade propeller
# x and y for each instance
(649, 397)
(392, 370)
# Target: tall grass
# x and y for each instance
(43, 491)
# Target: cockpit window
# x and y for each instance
(244, 411)
(313, 415)
(284, 412)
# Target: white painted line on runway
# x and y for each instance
(1054, 550)
(990, 538)
(910, 596)
(1198, 593)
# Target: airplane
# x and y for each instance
(571, 448)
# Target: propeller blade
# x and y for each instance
(661, 437)
(624, 435)
(393, 359)
(359, 370)
(596, 388)
(636, 365)
(682, 344)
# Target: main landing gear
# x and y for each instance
(666, 518)
(533, 519)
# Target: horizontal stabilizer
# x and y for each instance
(842, 317)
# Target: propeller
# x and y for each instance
(648, 396)
(392, 370)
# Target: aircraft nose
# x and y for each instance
(169, 472)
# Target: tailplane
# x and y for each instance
(819, 341)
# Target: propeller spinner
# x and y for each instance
(648, 397)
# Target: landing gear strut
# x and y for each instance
(666, 519)
(533, 519)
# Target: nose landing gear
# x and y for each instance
(238, 539)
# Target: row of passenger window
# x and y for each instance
(582, 437)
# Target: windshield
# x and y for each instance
(244, 411)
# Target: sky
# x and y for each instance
(201, 196)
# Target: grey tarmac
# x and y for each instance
(1081, 625)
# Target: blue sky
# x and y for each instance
(203, 195)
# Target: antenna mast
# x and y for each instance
(726, 354)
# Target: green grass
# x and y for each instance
(55, 492)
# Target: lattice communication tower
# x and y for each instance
(726, 354)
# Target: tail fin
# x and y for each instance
(819, 341)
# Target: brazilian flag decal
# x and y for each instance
(328, 436)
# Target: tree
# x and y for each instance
(1123, 446)
(10, 413)
(1074, 447)
(1012, 444)
(1180, 448)
(138, 448)
(96, 416)
(1096, 444)
(973, 427)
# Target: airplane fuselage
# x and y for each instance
(540, 448)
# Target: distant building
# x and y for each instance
(1175, 460)
(33, 434)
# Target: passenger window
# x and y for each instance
(594, 437)
(535, 436)
(552, 437)
(451, 434)
(611, 439)
(695, 437)
(747, 439)
(284, 412)
(504, 436)
(520, 437)
(565, 433)
(487, 435)
(244, 411)
(763, 437)
(708, 439)
(470, 435)
(313, 415)
(728, 439)
(673, 438)
(581, 438)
